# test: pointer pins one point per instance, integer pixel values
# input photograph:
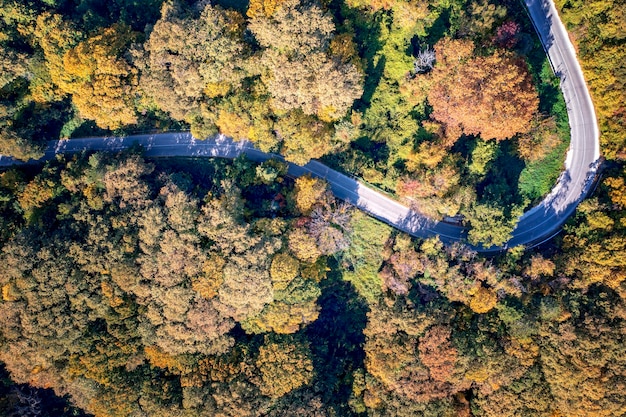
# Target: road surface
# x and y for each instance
(537, 225)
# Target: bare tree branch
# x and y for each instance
(425, 60)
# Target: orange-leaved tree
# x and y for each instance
(488, 95)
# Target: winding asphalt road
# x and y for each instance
(533, 227)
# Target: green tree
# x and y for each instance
(303, 137)
(284, 364)
(489, 225)
(481, 17)
(482, 155)
(293, 308)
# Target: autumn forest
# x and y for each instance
(137, 286)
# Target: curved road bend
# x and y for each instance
(581, 163)
(534, 226)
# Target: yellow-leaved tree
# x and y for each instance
(285, 364)
(309, 191)
(101, 81)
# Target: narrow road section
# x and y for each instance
(533, 227)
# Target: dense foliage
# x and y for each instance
(372, 86)
(120, 271)
(225, 288)
(166, 288)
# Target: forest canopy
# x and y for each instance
(182, 287)
(168, 287)
(370, 88)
